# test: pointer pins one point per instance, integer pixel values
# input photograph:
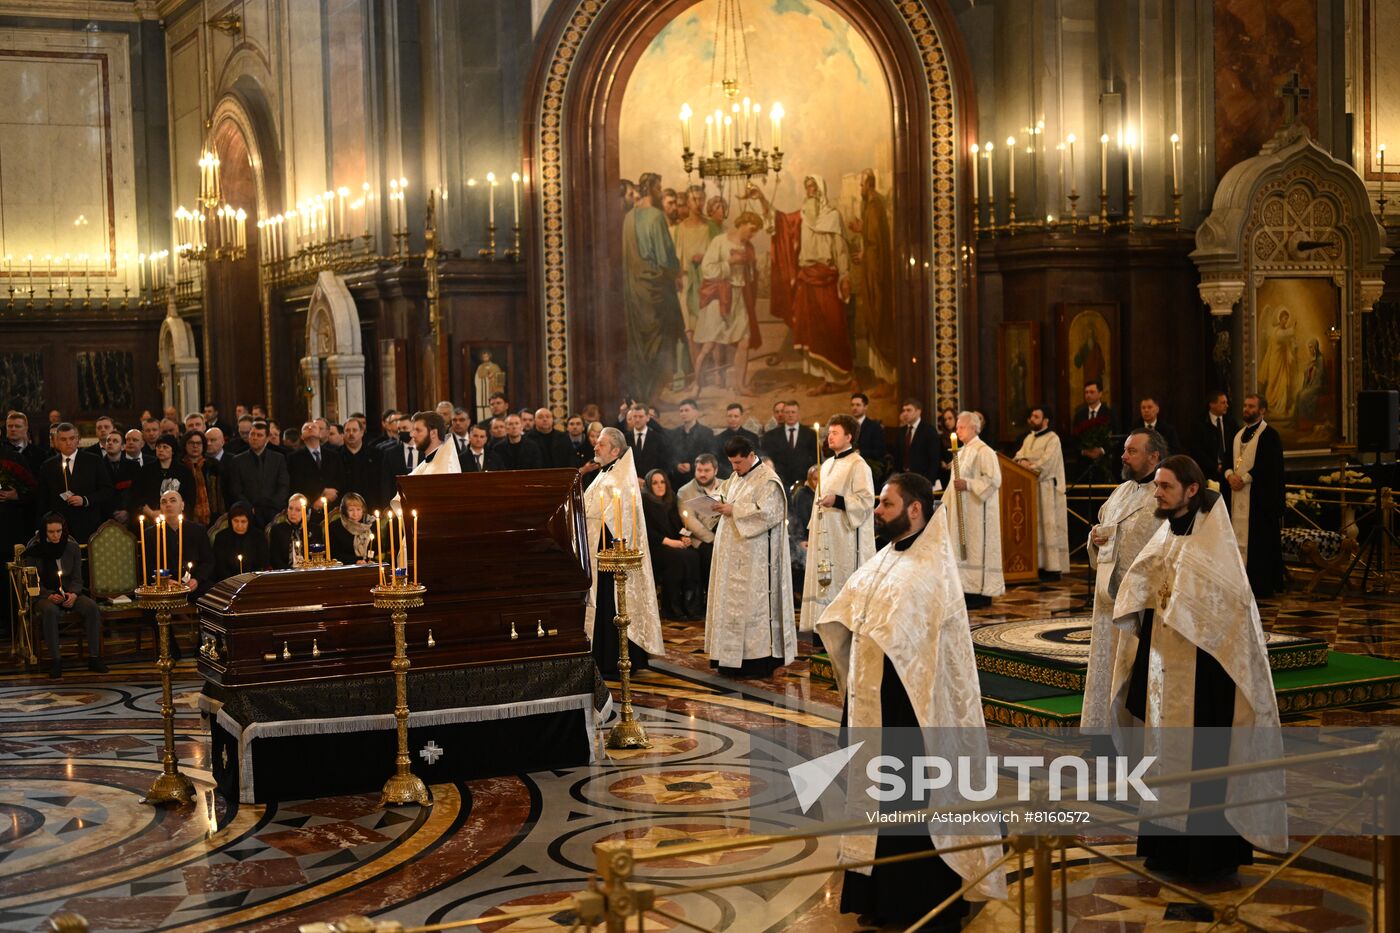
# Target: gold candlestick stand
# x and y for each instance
(171, 786)
(403, 786)
(620, 560)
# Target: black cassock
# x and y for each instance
(904, 891)
(1264, 561)
(605, 643)
(1210, 848)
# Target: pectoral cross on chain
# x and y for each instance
(1293, 94)
(1164, 593)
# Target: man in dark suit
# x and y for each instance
(195, 555)
(688, 441)
(388, 434)
(554, 445)
(1150, 417)
(733, 427)
(580, 451)
(920, 445)
(870, 436)
(17, 500)
(515, 452)
(259, 476)
(124, 475)
(236, 438)
(479, 456)
(1093, 408)
(363, 469)
(398, 458)
(78, 488)
(316, 471)
(791, 446)
(650, 448)
(1211, 437)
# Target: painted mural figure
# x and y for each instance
(1277, 370)
(729, 301)
(692, 236)
(1090, 357)
(651, 273)
(877, 276)
(812, 283)
(1313, 391)
(488, 379)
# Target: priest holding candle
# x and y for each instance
(613, 503)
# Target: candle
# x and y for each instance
(180, 546)
(1011, 166)
(685, 127)
(160, 544)
(144, 575)
(617, 513)
(240, 563)
(515, 196)
(709, 131)
(393, 550)
(776, 115)
(1103, 165)
(991, 181)
(728, 131)
(415, 545)
(1176, 164)
(1073, 183)
(305, 522)
(60, 580)
(491, 198)
(748, 121)
(1380, 154)
(378, 547)
(326, 516)
(817, 428)
(976, 169)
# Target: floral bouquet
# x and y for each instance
(14, 476)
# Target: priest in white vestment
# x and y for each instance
(434, 457)
(975, 503)
(1041, 454)
(1196, 666)
(841, 530)
(616, 493)
(901, 648)
(1127, 521)
(748, 616)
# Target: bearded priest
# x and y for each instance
(1041, 453)
(613, 504)
(748, 617)
(976, 518)
(1194, 658)
(1127, 521)
(901, 647)
(841, 531)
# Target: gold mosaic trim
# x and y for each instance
(1030, 672)
(549, 177)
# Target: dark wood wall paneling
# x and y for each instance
(59, 336)
(1164, 334)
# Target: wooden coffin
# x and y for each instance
(503, 556)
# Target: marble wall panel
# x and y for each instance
(67, 169)
(347, 91)
(186, 119)
(1379, 105)
(304, 137)
(1258, 44)
(22, 380)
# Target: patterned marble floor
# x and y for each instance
(76, 755)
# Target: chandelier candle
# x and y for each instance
(1011, 166)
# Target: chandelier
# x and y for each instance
(732, 145)
(214, 230)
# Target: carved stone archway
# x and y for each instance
(178, 363)
(586, 52)
(334, 366)
(1293, 211)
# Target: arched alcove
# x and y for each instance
(178, 362)
(334, 365)
(587, 51)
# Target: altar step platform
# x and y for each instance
(1032, 672)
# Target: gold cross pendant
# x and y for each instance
(1164, 594)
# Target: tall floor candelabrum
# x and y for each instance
(163, 597)
(621, 560)
(399, 595)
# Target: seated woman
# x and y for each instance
(674, 562)
(239, 548)
(286, 539)
(352, 536)
(56, 556)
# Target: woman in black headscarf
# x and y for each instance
(55, 553)
(239, 538)
(674, 562)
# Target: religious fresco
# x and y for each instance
(1295, 361)
(1088, 341)
(1019, 372)
(721, 300)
